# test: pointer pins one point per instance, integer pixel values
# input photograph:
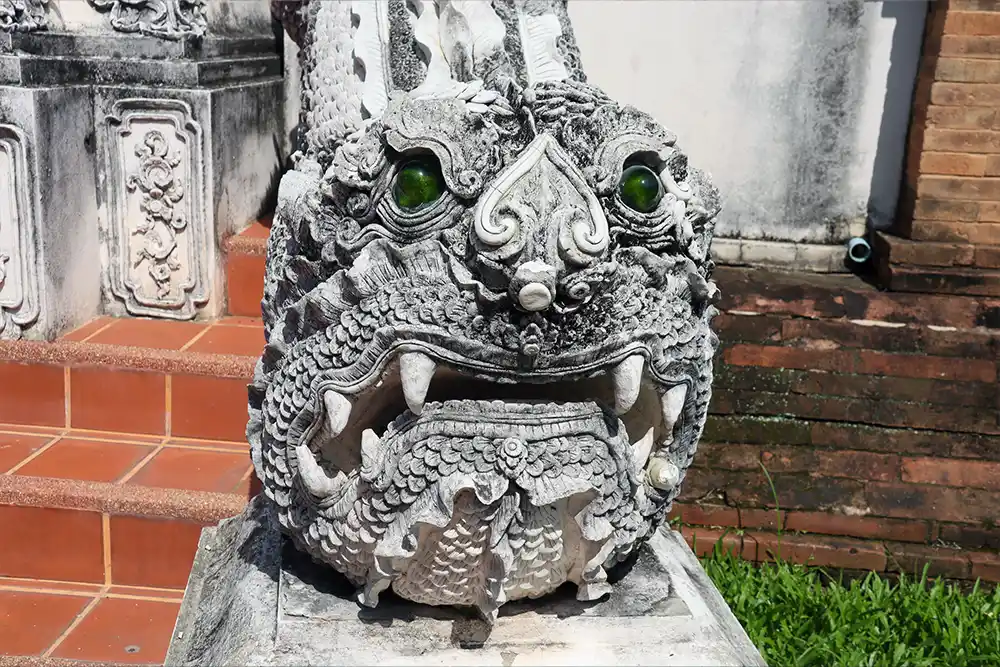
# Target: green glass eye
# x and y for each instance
(418, 183)
(640, 188)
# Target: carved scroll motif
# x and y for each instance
(18, 253)
(158, 238)
(167, 19)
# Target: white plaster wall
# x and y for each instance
(77, 16)
(799, 109)
(238, 17)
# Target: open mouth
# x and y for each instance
(415, 389)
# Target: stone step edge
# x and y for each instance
(40, 661)
(119, 499)
(80, 354)
(249, 241)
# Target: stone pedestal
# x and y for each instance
(253, 599)
(128, 152)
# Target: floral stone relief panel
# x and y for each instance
(156, 236)
(18, 251)
(167, 19)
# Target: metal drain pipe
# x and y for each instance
(859, 250)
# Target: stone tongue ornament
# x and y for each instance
(487, 306)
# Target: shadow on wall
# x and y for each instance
(904, 61)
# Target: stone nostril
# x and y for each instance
(533, 285)
(534, 297)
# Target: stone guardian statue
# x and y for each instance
(487, 305)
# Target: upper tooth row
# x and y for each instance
(416, 371)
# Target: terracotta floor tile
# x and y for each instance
(87, 460)
(30, 622)
(33, 394)
(161, 334)
(224, 445)
(243, 488)
(15, 447)
(30, 429)
(50, 543)
(113, 436)
(152, 552)
(88, 329)
(245, 284)
(143, 592)
(116, 400)
(247, 341)
(209, 407)
(193, 469)
(48, 586)
(132, 631)
(241, 321)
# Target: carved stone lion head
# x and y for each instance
(487, 303)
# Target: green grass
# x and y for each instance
(797, 616)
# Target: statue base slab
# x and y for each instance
(254, 599)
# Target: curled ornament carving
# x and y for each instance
(167, 19)
(158, 239)
(489, 354)
(160, 190)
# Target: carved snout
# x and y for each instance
(539, 221)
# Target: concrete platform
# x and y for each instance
(253, 599)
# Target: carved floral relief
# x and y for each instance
(167, 19)
(160, 189)
(157, 236)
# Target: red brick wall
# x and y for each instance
(950, 202)
(876, 415)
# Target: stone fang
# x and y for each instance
(416, 370)
(641, 450)
(338, 411)
(672, 402)
(314, 478)
(534, 297)
(369, 448)
(627, 377)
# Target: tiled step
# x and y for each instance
(55, 623)
(100, 531)
(151, 377)
(245, 253)
(118, 444)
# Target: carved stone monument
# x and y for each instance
(489, 362)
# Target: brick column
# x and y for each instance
(947, 235)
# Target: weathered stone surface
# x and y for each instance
(49, 259)
(254, 599)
